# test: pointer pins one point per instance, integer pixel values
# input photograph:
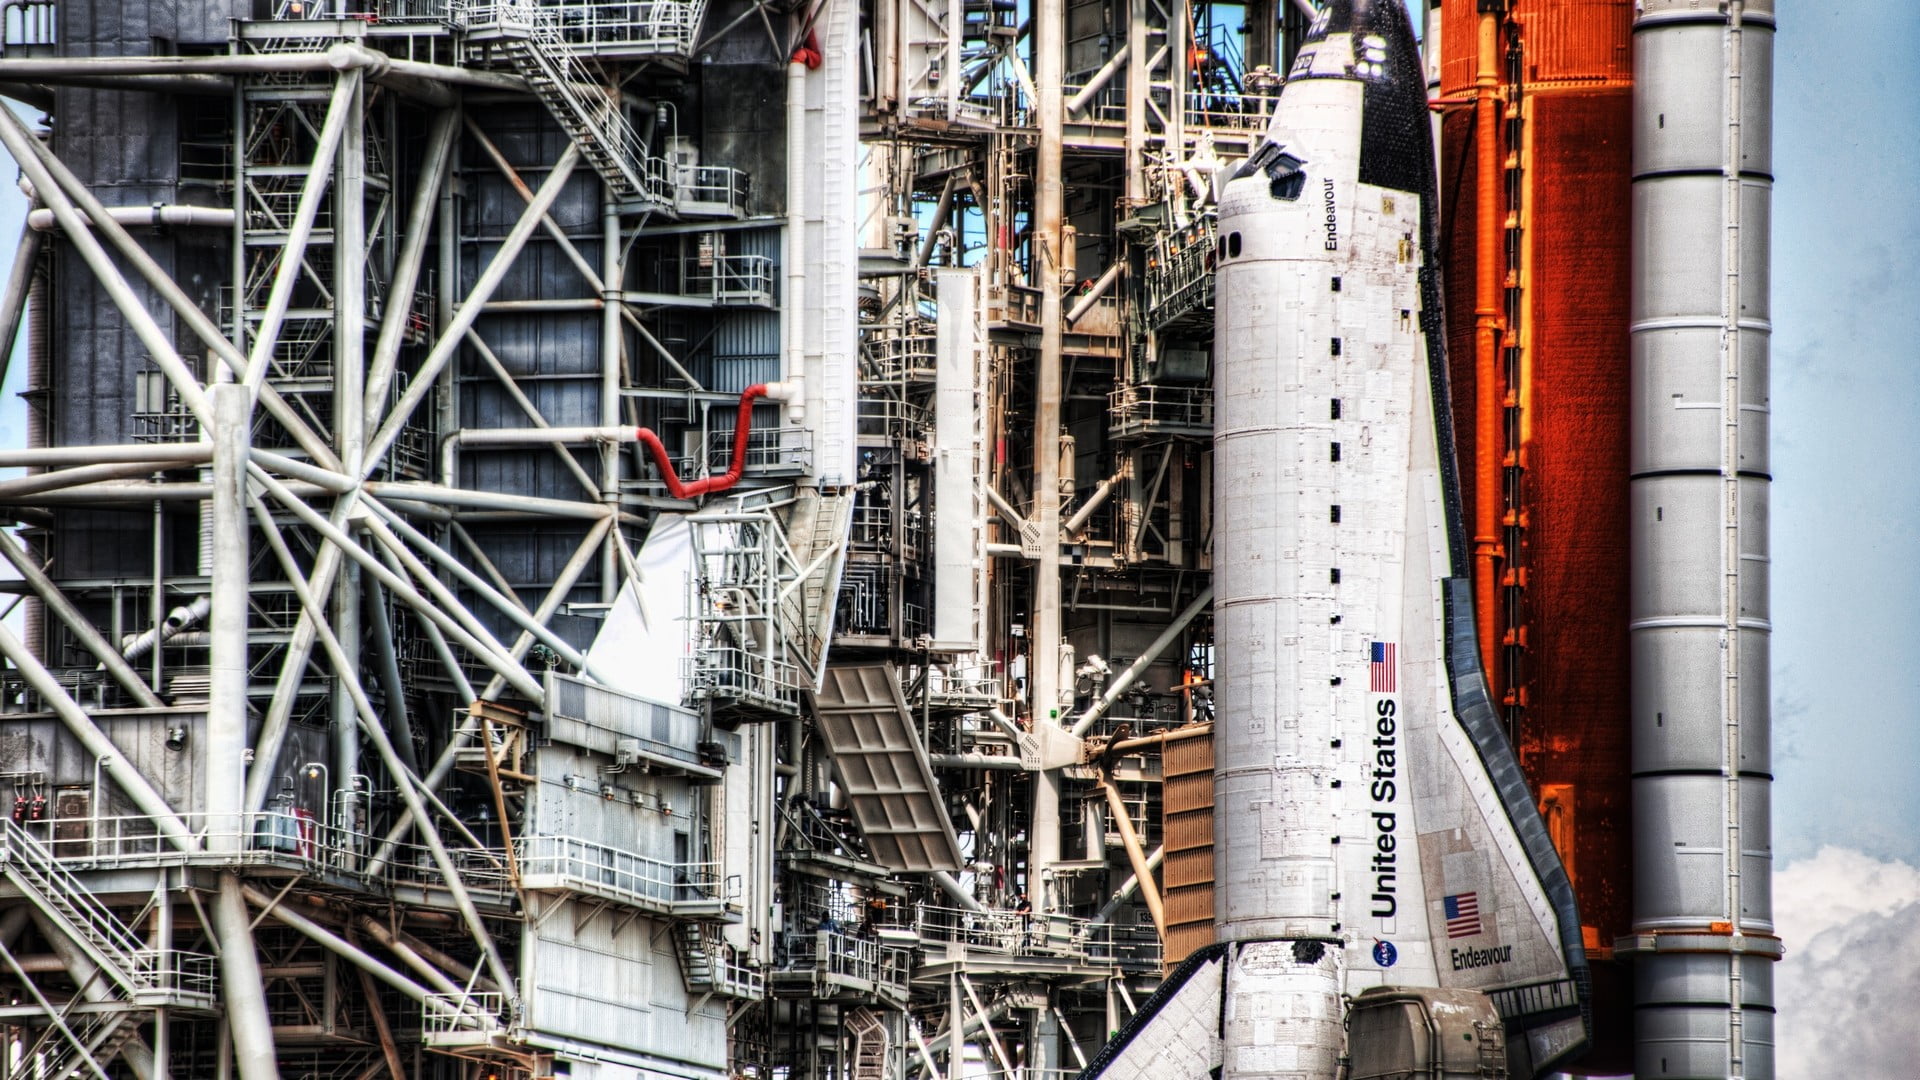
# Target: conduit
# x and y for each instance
(1487, 394)
(180, 217)
(736, 467)
(180, 618)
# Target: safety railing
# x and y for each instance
(1017, 933)
(972, 687)
(612, 28)
(883, 415)
(34, 866)
(769, 450)
(1107, 105)
(413, 11)
(1179, 277)
(844, 958)
(735, 975)
(292, 838)
(174, 972)
(1229, 110)
(721, 672)
(461, 1014)
(731, 280)
(709, 190)
(1146, 409)
(876, 528)
(1013, 305)
(577, 865)
(896, 355)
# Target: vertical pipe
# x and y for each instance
(349, 355)
(610, 281)
(13, 304)
(1703, 939)
(226, 728)
(162, 939)
(1487, 396)
(1137, 77)
(1043, 663)
(793, 242)
(226, 732)
(388, 672)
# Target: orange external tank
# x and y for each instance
(1535, 205)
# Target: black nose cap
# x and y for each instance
(1396, 145)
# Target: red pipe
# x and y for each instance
(742, 428)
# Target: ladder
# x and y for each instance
(869, 1044)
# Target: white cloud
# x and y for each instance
(1848, 991)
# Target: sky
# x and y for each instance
(1845, 531)
(1846, 535)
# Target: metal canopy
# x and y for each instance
(884, 769)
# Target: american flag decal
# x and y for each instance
(1382, 669)
(1463, 914)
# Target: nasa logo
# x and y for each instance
(1384, 953)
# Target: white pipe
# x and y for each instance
(793, 344)
(1094, 501)
(1093, 295)
(539, 436)
(951, 886)
(54, 457)
(176, 216)
(135, 646)
(1146, 660)
(1078, 102)
(241, 984)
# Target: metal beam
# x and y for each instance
(483, 646)
(455, 332)
(293, 254)
(47, 165)
(1142, 873)
(1145, 660)
(82, 627)
(406, 274)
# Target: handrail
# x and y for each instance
(600, 867)
(277, 837)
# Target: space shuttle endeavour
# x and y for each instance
(1386, 896)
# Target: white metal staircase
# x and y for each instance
(554, 47)
(97, 1038)
(817, 536)
(591, 117)
(142, 976)
(708, 964)
(869, 1044)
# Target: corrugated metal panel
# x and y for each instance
(603, 979)
(1576, 39)
(883, 767)
(1187, 823)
